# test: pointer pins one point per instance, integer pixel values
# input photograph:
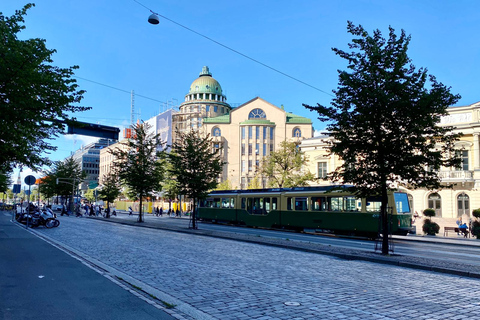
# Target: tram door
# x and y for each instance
(463, 205)
(435, 203)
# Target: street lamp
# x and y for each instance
(59, 180)
(153, 19)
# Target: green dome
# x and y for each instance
(205, 83)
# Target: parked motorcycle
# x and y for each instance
(35, 218)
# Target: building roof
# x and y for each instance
(293, 118)
(205, 83)
(220, 119)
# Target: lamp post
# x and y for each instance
(59, 180)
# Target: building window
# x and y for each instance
(264, 149)
(257, 149)
(243, 166)
(207, 108)
(322, 170)
(243, 132)
(216, 132)
(297, 133)
(223, 110)
(249, 165)
(243, 149)
(249, 149)
(257, 114)
(463, 155)
(215, 108)
(435, 203)
(257, 132)
(264, 132)
(242, 186)
(250, 132)
(463, 204)
(272, 133)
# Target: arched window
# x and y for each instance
(435, 203)
(257, 114)
(463, 204)
(297, 133)
(216, 132)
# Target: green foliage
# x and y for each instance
(224, 185)
(5, 180)
(476, 213)
(170, 184)
(109, 188)
(284, 168)
(69, 174)
(139, 164)
(255, 183)
(476, 229)
(384, 119)
(34, 94)
(90, 195)
(196, 164)
(429, 212)
(430, 228)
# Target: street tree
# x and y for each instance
(109, 189)
(286, 167)
(35, 96)
(197, 165)
(63, 179)
(170, 185)
(139, 163)
(90, 195)
(384, 119)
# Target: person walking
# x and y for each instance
(161, 211)
(130, 211)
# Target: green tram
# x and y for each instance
(330, 209)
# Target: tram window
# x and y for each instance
(225, 202)
(401, 202)
(336, 203)
(207, 203)
(319, 204)
(268, 207)
(350, 204)
(301, 204)
(216, 203)
(249, 205)
(244, 203)
(289, 203)
(374, 204)
(232, 202)
(274, 203)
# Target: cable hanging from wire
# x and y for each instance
(231, 49)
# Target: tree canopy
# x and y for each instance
(139, 163)
(384, 119)
(285, 168)
(35, 96)
(196, 164)
(109, 189)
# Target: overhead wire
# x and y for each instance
(235, 51)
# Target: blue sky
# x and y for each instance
(113, 44)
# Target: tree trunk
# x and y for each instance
(108, 210)
(194, 214)
(140, 211)
(384, 215)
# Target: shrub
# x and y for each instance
(430, 228)
(476, 213)
(429, 212)
(476, 229)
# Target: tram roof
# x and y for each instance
(276, 190)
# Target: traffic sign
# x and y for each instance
(17, 188)
(30, 180)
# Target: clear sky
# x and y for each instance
(113, 44)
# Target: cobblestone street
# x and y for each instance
(208, 278)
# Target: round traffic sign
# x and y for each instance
(30, 180)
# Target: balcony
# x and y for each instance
(456, 176)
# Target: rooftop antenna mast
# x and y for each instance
(132, 108)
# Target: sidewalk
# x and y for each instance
(39, 281)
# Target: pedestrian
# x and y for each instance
(114, 213)
(161, 211)
(91, 210)
(86, 209)
(130, 211)
(157, 211)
